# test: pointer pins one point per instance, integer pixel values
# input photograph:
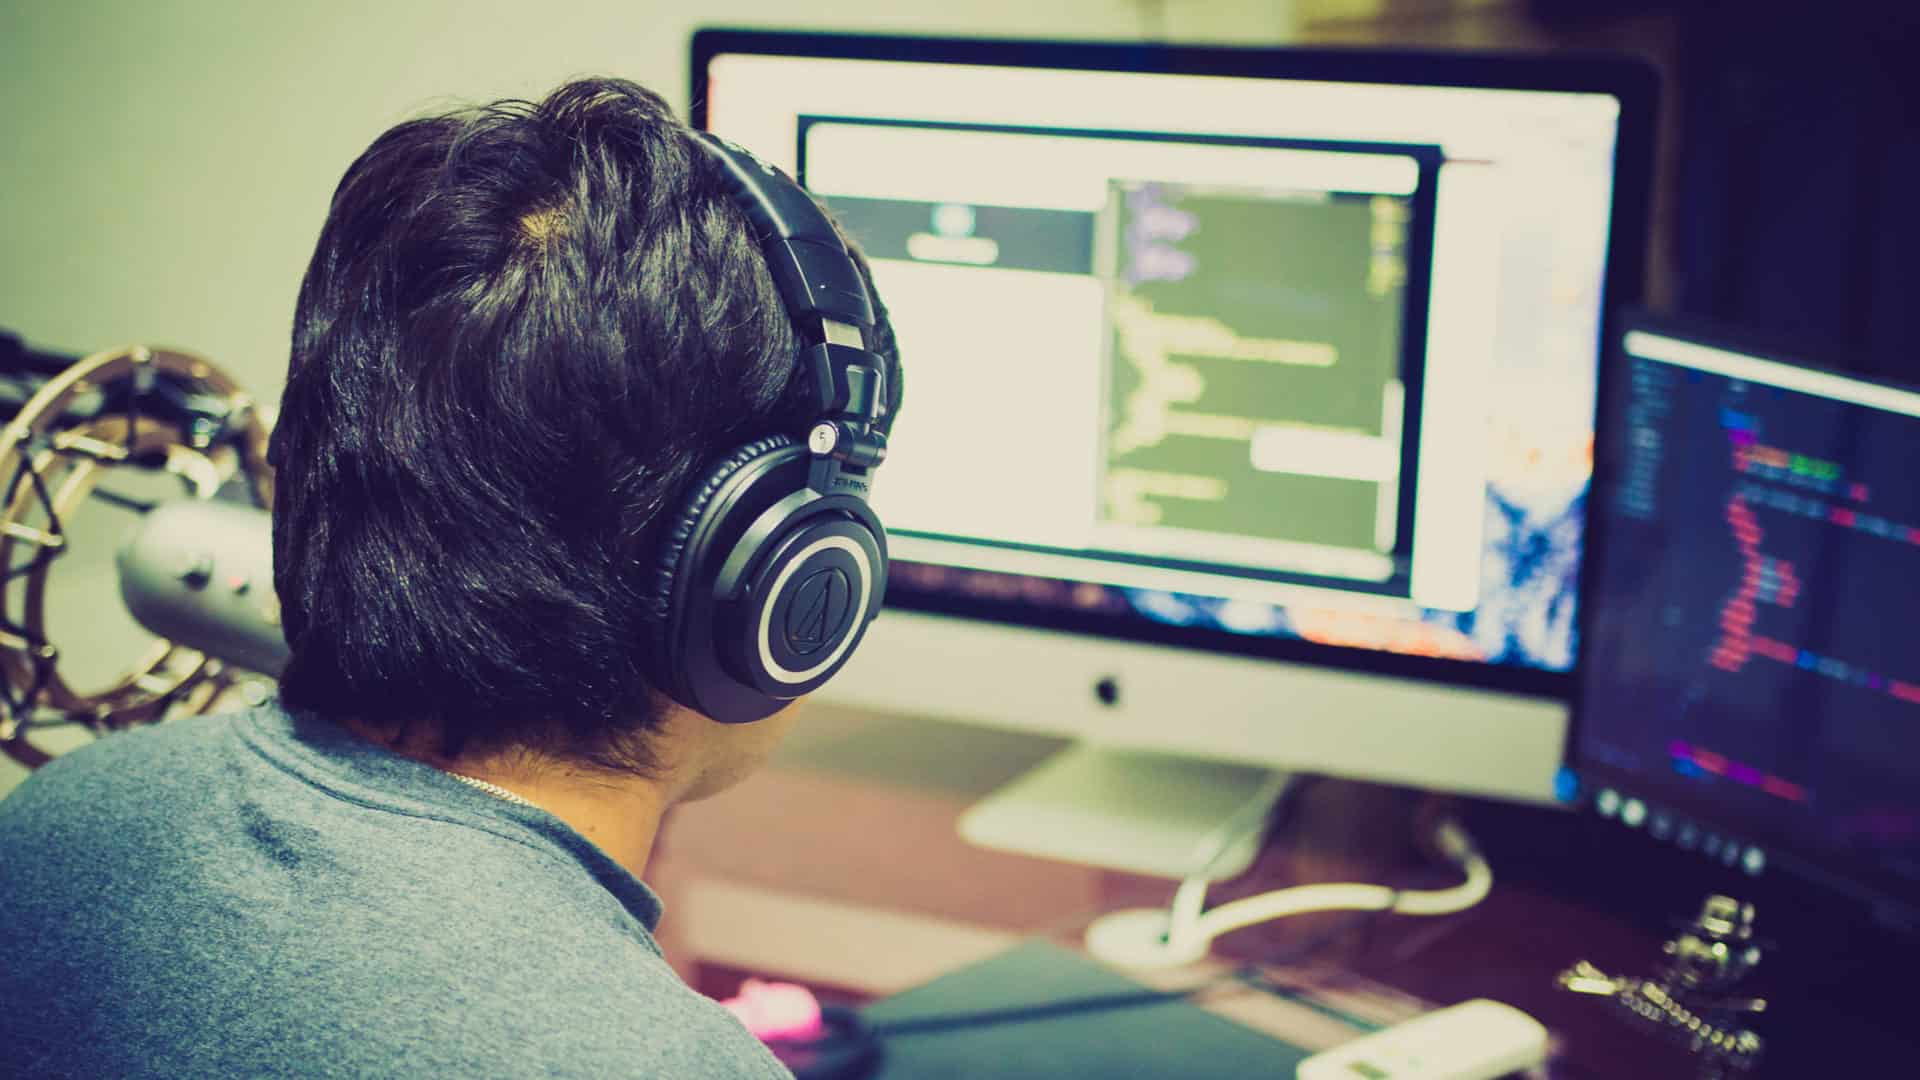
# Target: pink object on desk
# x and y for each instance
(776, 1011)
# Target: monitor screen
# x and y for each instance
(1276, 359)
(1751, 686)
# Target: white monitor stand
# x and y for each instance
(1143, 812)
(1176, 750)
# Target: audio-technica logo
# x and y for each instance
(817, 615)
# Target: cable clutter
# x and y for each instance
(1181, 934)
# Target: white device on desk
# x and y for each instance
(1474, 1040)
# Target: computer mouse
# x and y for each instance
(845, 1049)
(815, 1041)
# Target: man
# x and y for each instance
(525, 330)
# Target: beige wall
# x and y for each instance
(166, 165)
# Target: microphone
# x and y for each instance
(199, 573)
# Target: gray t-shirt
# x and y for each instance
(263, 894)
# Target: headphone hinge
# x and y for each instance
(843, 459)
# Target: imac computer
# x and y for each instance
(1751, 690)
(1249, 400)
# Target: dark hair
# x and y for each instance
(525, 326)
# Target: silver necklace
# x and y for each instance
(494, 790)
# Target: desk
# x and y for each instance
(840, 867)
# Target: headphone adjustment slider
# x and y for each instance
(846, 443)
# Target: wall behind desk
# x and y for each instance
(165, 167)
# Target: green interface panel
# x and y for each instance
(1254, 384)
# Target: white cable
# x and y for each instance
(1301, 899)
(1191, 898)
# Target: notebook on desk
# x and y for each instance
(1007, 1017)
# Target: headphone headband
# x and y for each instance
(809, 261)
(827, 299)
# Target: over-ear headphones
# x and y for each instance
(772, 569)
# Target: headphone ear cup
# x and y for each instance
(667, 597)
(811, 593)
